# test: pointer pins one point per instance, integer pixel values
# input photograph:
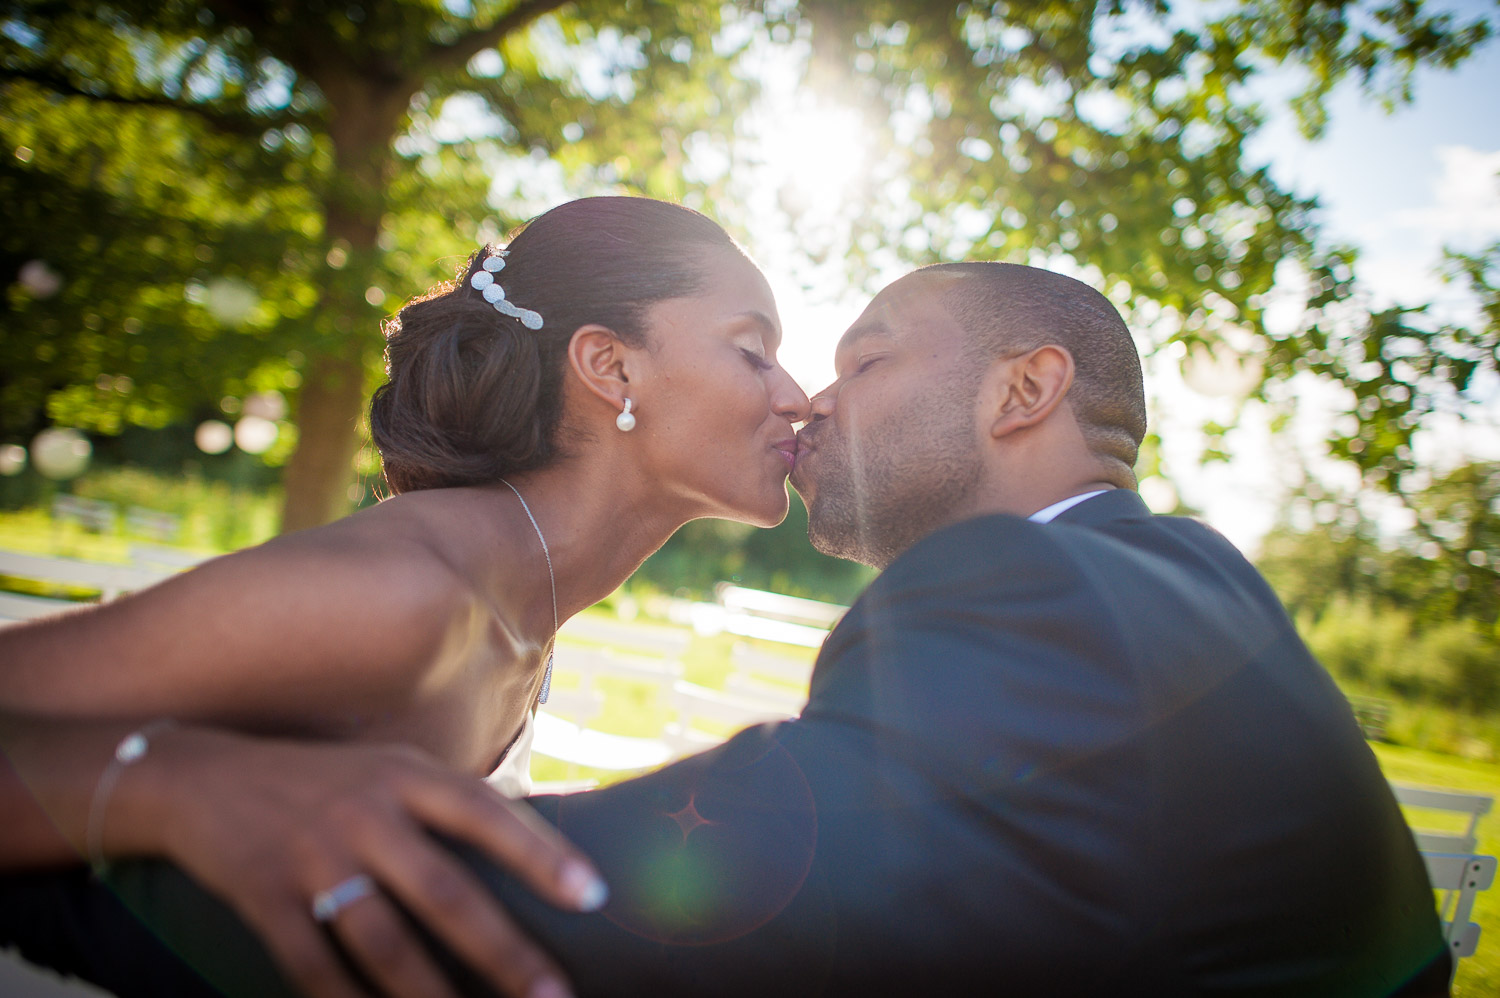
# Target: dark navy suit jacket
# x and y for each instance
(1083, 758)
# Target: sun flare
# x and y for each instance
(813, 152)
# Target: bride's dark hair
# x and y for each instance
(473, 395)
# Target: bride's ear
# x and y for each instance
(601, 361)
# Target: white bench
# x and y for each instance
(775, 606)
(562, 724)
(152, 523)
(16, 607)
(1453, 867)
(1462, 876)
(108, 580)
(643, 639)
(94, 515)
(734, 709)
(757, 671)
(572, 743)
(1473, 806)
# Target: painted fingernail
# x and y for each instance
(588, 890)
(549, 987)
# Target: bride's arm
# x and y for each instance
(312, 631)
(268, 824)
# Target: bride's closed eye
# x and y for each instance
(756, 360)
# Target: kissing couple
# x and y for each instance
(1060, 746)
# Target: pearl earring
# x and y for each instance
(625, 421)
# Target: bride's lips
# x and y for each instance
(788, 450)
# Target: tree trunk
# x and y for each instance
(364, 115)
(321, 469)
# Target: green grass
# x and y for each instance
(35, 532)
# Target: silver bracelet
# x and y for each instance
(131, 748)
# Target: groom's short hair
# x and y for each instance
(1008, 307)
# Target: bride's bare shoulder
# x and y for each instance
(423, 532)
(402, 562)
(361, 608)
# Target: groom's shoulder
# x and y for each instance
(1002, 542)
(1094, 545)
(990, 557)
(976, 545)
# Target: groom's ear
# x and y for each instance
(1023, 390)
(602, 362)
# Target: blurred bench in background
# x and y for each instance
(100, 517)
(1373, 714)
(92, 514)
(725, 711)
(1460, 876)
(1456, 871)
(152, 523)
(97, 581)
(763, 686)
(1460, 808)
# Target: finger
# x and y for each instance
(450, 902)
(304, 955)
(375, 936)
(518, 839)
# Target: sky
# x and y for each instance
(1399, 187)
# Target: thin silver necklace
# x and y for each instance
(547, 677)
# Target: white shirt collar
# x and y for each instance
(1050, 513)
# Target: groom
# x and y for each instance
(1059, 747)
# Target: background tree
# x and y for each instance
(705, 553)
(1114, 135)
(1416, 613)
(298, 152)
(311, 151)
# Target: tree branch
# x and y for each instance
(461, 50)
(231, 122)
(295, 49)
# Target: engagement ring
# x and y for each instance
(326, 904)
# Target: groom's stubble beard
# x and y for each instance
(886, 485)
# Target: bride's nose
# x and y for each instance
(789, 400)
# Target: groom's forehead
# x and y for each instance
(907, 308)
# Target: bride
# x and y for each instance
(550, 418)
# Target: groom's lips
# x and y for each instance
(803, 449)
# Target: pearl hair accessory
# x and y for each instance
(484, 282)
(625, 421)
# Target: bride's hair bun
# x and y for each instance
(473, 395)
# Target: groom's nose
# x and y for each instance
(822, 404)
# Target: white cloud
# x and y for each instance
(1465, 202)
(1401, 243)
